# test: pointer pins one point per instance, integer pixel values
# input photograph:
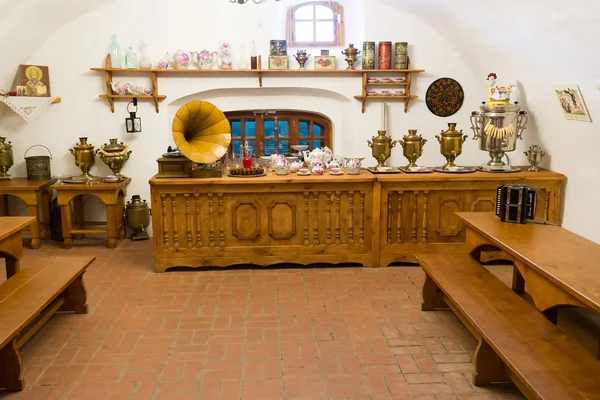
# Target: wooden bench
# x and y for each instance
(515, 340)
(28, 300)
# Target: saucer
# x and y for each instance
(336, 173)
(303, 173)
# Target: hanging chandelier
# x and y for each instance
(247, 1)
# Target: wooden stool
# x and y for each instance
(33, 193)
(113, 196)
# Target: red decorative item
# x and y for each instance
(385, 55)
(247, 162)
(12, 93)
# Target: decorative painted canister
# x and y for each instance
(385, 55)
(401, 55)
(368, 60)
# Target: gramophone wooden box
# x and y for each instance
(174, 167)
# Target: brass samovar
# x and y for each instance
(382, 146)
(115, 155)
(6, 158)
(137, 215)
(85, 158)
(451, 142)
(412, 147)
(351, 54)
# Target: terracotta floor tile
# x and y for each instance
(300, 333)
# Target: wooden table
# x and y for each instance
(559, 267)
(34, 194)
(11, 244)
(113, 196)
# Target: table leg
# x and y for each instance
(13, 265)
(3, 205)
(518, 283)
(111, 225)
(34, 228)
(551, 315)
(46, 203)
(78, 213)
(66, 219)
(120, 216)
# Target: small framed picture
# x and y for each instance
(571, 102)
(21, 90)
(324, 52)
(324, 62)
(36, 80)
(279, 62)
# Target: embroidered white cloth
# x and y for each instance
(27, 107)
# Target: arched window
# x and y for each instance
(269, 130)
(316, 23)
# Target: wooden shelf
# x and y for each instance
(407, 97)
(387, 97)
(154, 72)
(387, 83)
(57, 100)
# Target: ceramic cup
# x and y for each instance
(304, 171)
(317, 170)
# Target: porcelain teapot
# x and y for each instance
(203, 59)
(318, 156)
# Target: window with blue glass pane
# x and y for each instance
(316, 143)
(269, 147)
(250, 129)
(284, 146)
(305, 142)
(283, 128)
(237, 147)
(317, 130)
(270, 129)
(236, 129)
(303, 128)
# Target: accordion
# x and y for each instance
(516, 203)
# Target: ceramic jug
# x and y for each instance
(204, 59)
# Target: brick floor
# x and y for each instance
(285, 333)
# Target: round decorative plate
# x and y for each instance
(444, 97)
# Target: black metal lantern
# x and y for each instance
(133, 124)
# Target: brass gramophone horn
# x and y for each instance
(201, 132)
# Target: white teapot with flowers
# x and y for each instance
(318, 156)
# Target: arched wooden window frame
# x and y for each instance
(293, 117)
(338, 18)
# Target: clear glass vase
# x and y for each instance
(131, 60)
(116, 53)
(145, 61)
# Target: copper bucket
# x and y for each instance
(38, 167)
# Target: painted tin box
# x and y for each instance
(279, 62)
(324, 62)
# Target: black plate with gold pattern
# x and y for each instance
(444, 97)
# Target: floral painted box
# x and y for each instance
(324, 62)
(279, 62)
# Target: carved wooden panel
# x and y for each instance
(484, 204)
(448, 224)
(282, 219)
(246, 220)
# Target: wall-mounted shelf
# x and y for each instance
(155, 72)
(407, 83)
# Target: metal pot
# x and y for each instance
(137, 215)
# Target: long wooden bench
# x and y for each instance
(28, 300)
(515, 340)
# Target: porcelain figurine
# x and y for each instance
(225, 59)
(498, 95)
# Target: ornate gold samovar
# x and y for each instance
(85, 158)
(115, 155)
(382, 146)
(351, 54)
(302, 57)
(137, 215)
(6, 158)
(451, 142)
(412, 147)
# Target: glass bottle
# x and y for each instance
(116, 53)
(145, 61)
(131, 59)
(253, 58)
(247, 160)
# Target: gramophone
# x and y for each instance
(202, 133)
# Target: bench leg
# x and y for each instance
(11, 367)
(432, 296)
(489, 368)
(518, 283)
(76, 297)
(551, 315)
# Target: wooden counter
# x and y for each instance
(324, 219)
